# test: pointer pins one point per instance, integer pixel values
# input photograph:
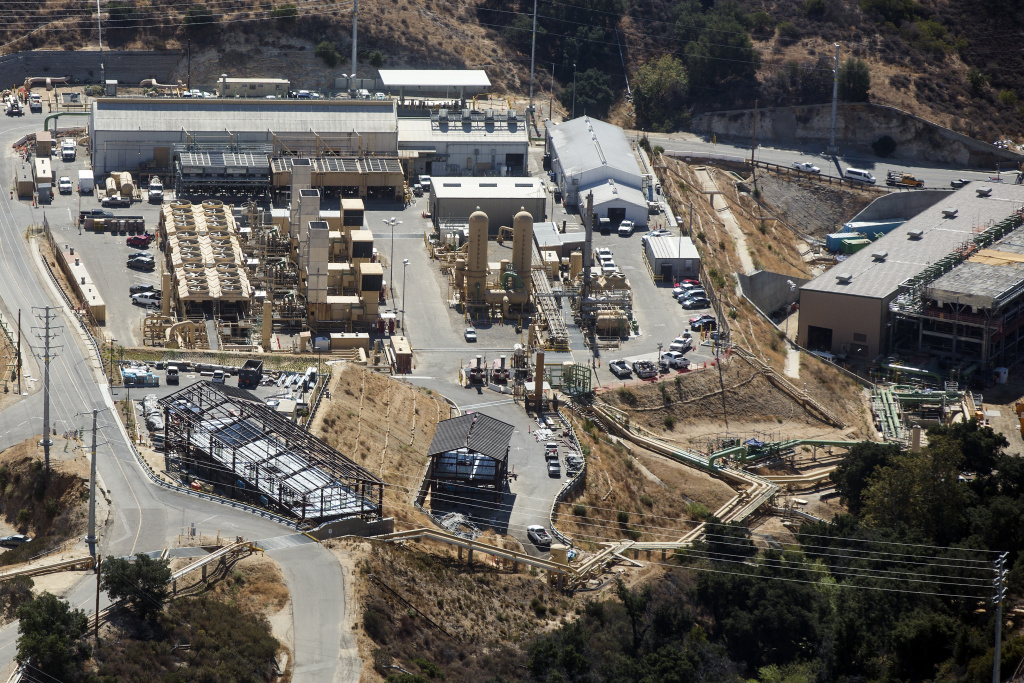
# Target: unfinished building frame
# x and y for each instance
(219, 435)
(470, 452)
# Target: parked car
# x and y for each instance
(681, 344)
(172, 375)
(470, 334)
(675, 359)
(692, 293)
(147, 300)
(696, 302)
(655, 233)
(626, 228)
(142, 264)
(14, 541)
(218, 377)
(142, 240)
(859, 175)
(645, 369)
(620, 369)
(64, 185)
(703, 322)
(116, 200)
(806, 167)
(144, 255)
(94, 213)
(539, 535)
(141, 289)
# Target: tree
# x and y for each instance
(636, 603)
(594, 93)
(722, 53)
(328, 53)
(851, 477)
(50, 634)
(141, 584)
(660, 90)
(197, 17)
(854, 80)
(285, 13)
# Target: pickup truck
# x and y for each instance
(900, 178)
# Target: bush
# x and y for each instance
(622, 516)
(814, 8)
(1008, 97)
(376, 625)
(285, 13)
(327, 52)
(977, 81)
(647, 500)
(698, 510)
(579, 510)
(854, 80)
(627, 396)
(376, 58)
(669, 422)
(788, 32)
(884, 146)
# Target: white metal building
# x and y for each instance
(452, 200)
(447, 83)
(672, 257)
(130, 133)
(488, 144)
(585, 155)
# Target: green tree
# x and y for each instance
(594, 94)
(50, 634)
(327, 52)
(141, 584)
(854, 80)
(893, 11)
(977, 81)
(376, 58)
(660, 89)
(121, 14)
(852, 474)
(286, 13)
(722, 53)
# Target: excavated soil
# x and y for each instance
(811, 207)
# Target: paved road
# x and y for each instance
(934, 176)
(144, 517)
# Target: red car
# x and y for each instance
(142, 240)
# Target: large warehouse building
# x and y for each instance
(587, 156)
(133, 133)
(947, 283)
(477, 143)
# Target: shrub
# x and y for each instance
(285, 13)
(1008, 97)
(698, 510)
(854, 80)
(762, 26)
(669, 422)
(622, 516)
(376, 58)
(884, 146)
(538, 607)
(647, 500)
(788, 32)
(327, 52)
(702, 237)
(376, 625)
(627, 396)
(977, 81)
(814, 8)
(579, 510)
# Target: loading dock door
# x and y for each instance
(616, 215)
(819, 338)
(666, 272)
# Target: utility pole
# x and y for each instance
(999, 583)
(588, 239)
(19, 351)
(533, 48)
(99, 28)
(574, 89)
(47, 442)
(188, 77)
(832, 150)
(91, 539)
(551, 91)
(355, 22)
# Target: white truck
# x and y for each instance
(156, 190)
(86, 182)
(68, 150)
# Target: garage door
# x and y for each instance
(616, 216)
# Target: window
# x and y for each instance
(252, 86)
(858, 337)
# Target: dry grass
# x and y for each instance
(384, 425)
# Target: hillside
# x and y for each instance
(931, 57)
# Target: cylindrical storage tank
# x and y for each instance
(460, 272)
(575, 264)
(476, 257)
(126, 184)
(503, 266)
(522, 246)
(111, 186)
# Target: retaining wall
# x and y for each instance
(129, 67)
(857, 126)
(353, 527)
(903, 204)
(770, 291)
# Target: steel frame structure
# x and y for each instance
(222, 436)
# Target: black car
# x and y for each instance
(707, 322)
(142, 289)
(94, 213)
(142, 264)
(696, 302)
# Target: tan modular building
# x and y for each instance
(907, 294)
(253, 87)
(453, 200)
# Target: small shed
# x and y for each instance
(44, 144)
(26, 184)
(470, 452)
(401, 351)
(672, 257)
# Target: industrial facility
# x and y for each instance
(440, 83)
(452, 200)
(588, 156)
(249, 452)
(466, 142)
(946, 284)
(469, 455)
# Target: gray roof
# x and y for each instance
(585, 143)
(487, 188)
(672, 247)
(434, 78)
(906, 257)
(422, 132)
(240, 115)
(610, 191)
(987, 279)
(477, 432)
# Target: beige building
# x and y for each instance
(253, 87)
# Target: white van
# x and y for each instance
(363, 94)
(859, 175)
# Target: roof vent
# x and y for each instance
(984, 191)
(879, 255)
(915, 234)
(950, 213)
(844, 278)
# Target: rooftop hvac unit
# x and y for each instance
(879, 255)
(984, 191)
(489, 115)
(950, 213)
(442, 115)
(844, 278)
(915, 234)
(513, 115)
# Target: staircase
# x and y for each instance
(785, 385)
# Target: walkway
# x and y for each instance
(793, 363)
(721, 207)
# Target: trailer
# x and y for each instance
(250, 374)
(86, 182)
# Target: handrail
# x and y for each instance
(486, 548)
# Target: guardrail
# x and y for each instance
(568, 486)
(86, 562)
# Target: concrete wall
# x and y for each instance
(129, 67)
(857, 126)
(770, 291)
(901, 205)
(353, 527)
(846, 316)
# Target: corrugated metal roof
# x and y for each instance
(477, 432)
(434, 78)
(240, 115)
(610, 191)
(585, 143)
(672, 247)
(940, 236)
(421, 132)
(502, 188)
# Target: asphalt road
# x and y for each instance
(934, 176)
(144, 517)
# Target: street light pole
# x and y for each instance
(391, 262)
(574, 89)
(533, 48)
(91, 539)
(405, 266)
